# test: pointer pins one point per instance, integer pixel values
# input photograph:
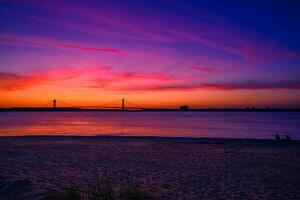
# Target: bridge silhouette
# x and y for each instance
(113, 105)
(126, 105)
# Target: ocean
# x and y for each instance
(261, 125)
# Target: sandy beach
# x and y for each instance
(165, 168)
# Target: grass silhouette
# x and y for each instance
(100, 192)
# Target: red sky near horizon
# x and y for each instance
(154, 53)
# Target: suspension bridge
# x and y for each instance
(126, 105)
(120, 104)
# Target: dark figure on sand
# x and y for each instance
(286, 139)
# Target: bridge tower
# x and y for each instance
(54, 103)
(123, 104)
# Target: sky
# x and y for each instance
(155, 53)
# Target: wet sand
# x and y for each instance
(166, 168)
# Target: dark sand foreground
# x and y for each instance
(166, 168)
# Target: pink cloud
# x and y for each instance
(202, 68)
(252, 85)
(107, 77)
(177, 86)
(65, 73)
(31, 78)
(55, 43)
(142, 75)
(261, 53)
(159, 80)
(11, 81)
(111, 80)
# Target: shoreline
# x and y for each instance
(200, 140)
(70, 109)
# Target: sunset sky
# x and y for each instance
(154, 53)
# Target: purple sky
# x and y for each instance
(201, 53)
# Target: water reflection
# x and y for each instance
(189, 124)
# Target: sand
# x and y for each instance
(166, 168)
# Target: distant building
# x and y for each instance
(184, 108)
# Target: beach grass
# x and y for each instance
(99, 192)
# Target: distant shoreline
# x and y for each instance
(20, 109)
(204, 140)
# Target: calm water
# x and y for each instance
(187, 124)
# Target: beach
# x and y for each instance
(165, 168)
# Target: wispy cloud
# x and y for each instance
(42, 41)
(106, 78)
(12, 81)
(202, 68)
(31, 78)
(225, 37)
(211, 30)
(265, 52)
(251, 85)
